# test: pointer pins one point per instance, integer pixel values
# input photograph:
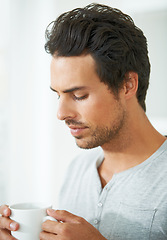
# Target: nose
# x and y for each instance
(65, 110)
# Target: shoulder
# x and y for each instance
(160, 155)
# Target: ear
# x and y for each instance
(130, 84)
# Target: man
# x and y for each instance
(100, 71)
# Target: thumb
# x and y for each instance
(63, 216)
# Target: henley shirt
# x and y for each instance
(133, 204)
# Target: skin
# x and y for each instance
(80, 94)
(96, 117)
(72, 228)
(6, 224)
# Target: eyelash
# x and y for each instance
(75, 97)
(80, 98)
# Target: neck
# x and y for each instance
(133, 145)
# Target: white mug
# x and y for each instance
(30, 217)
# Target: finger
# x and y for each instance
(5, 234)
(47, 236)
(50, 226)
(5, 211)
(7, 223)
(64, 216)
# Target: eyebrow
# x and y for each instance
(70, 89)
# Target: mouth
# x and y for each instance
(76, 130)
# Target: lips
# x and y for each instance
(76, 130)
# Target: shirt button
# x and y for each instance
(95, 221)
(100, 204)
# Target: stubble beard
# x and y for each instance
(102, 135)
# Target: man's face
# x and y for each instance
(93, 114)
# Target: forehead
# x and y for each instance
(74, 70)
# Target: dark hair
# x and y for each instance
(112, 39)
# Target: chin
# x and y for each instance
(86, 144)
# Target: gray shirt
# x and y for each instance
(133, 205)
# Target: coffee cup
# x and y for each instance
(30, 217)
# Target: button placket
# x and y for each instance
(100, 205)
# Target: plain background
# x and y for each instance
(35, 148)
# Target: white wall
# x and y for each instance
(4, 97)
(36, 147)
(154, 25)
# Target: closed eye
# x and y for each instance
(80, 98)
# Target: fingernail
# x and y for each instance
(13, 226)
(6, 212)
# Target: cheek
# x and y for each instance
(96, 112)
(103, 112)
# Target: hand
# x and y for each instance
(68, 227)
(6, 224)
